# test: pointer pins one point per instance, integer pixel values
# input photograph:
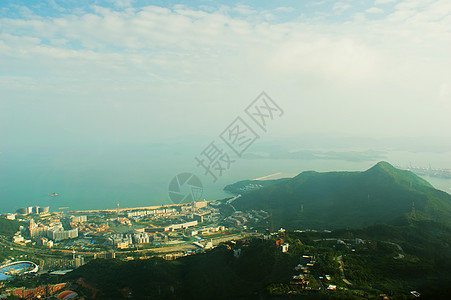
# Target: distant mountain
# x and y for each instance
(346, 199)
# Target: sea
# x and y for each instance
(103, 177)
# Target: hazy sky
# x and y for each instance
(133, 71)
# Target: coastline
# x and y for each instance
(128, 208)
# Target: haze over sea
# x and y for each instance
(97, 99)
(97, 177)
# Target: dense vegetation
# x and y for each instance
(411, 251)
(9, 227)
(263, 271)
(348, 199)
(215, 275)
(413, 255)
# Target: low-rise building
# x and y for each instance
(105, 255)
(78, 219)
(199, 204)
(209, 245)
(46, 242)
(285, 247)
(10, 217)
(79, 261)
(141, 238)
(59, 234)
(18, 239)
(121, 241)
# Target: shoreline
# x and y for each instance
(130, 208)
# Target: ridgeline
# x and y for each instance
(332, 200)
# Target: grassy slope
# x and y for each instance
(348, 199)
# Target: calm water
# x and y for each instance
(86, 179)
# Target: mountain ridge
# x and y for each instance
(348, 199)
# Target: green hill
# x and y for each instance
(262, 271)
(9, 227)
(213, 275)
(348, 199)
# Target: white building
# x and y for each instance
(120, 241)
(285, 247)
(141, 238)
(46, 242)
(209, 245)
(10, 216)
(79, 219)
(18, 239)
(58, 234)
(199, 204)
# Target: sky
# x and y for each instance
(149, 71)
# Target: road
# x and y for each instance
(400, 254)
(320, 283)
(340, 261)
(42, 252)
(229, 202)
(128, 208)
(189, 246)
(57, 253)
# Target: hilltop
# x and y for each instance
(332, 200)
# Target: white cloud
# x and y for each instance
(380, 2)
(56, 6)
(340, 7)
(285, 9)
(202, 57)
(374, 10)
(245, 9)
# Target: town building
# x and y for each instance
(141, 238)
(79, 219)
(79, 261)
(285, 247)
(199, 204)
(10, 217)
(105, 255)
(120, 240)
(59, 234)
